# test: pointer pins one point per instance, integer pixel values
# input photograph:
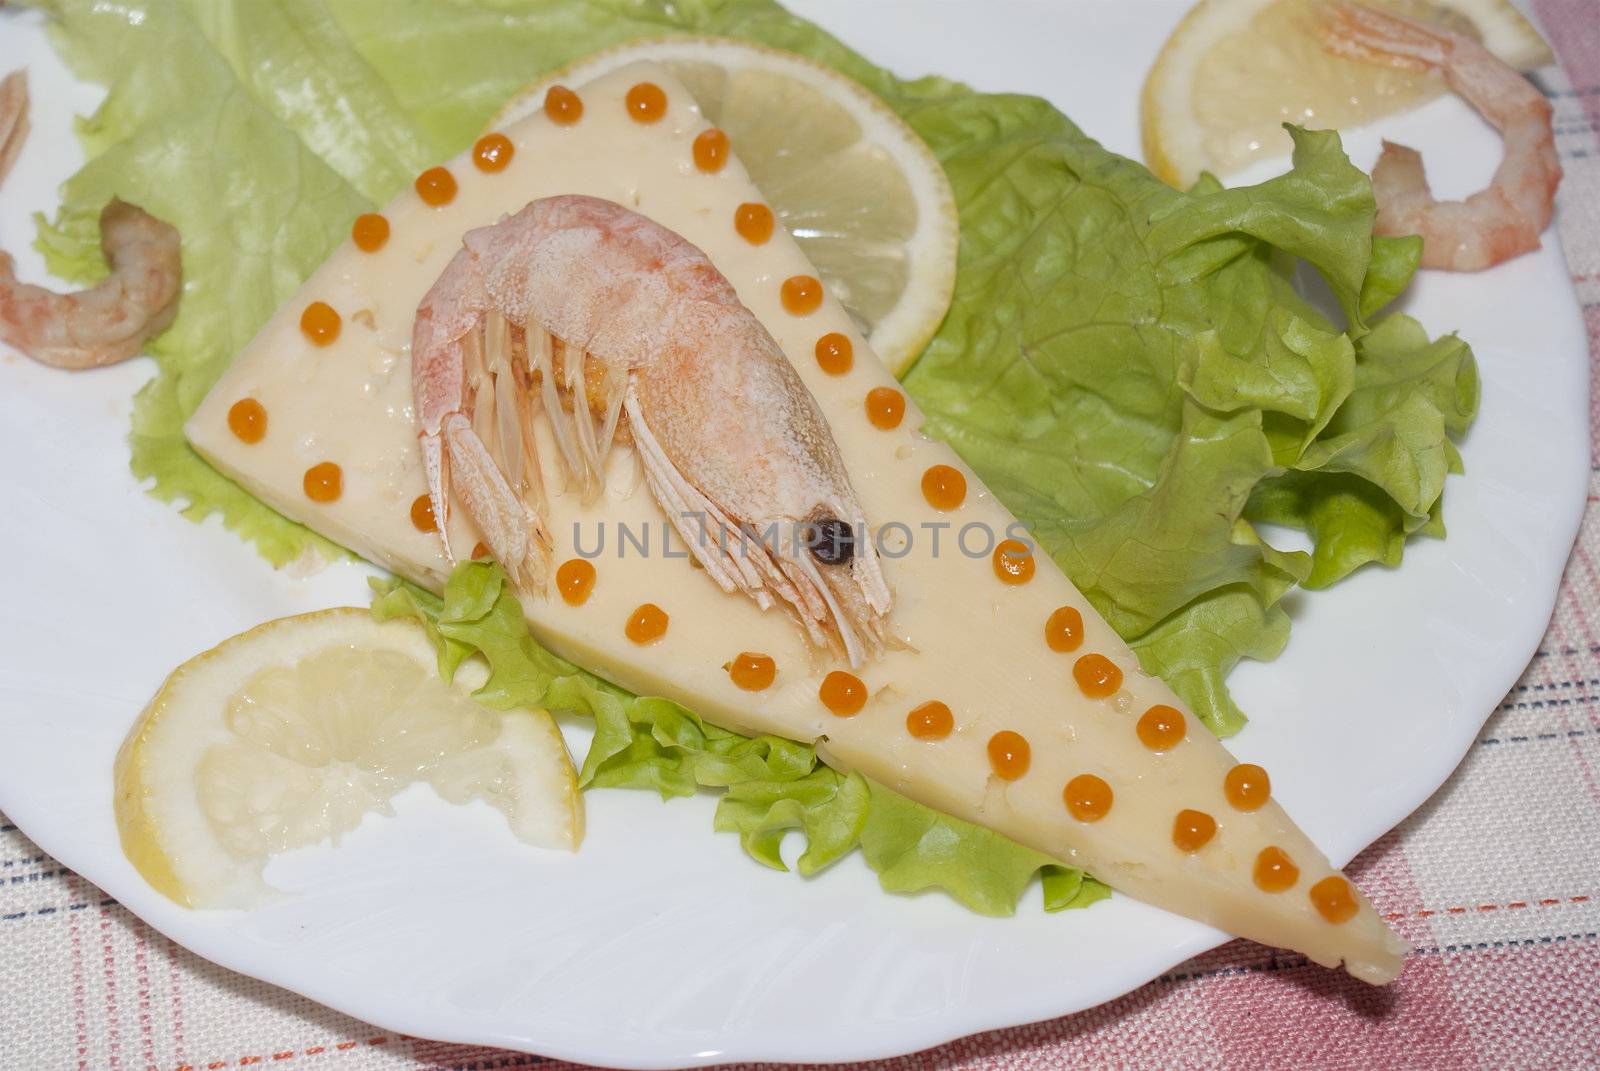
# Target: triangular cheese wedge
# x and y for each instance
(966, 638)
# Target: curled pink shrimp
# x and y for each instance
(1497, 223)
(110, 321)
(611, 325)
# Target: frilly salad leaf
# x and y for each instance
(769, 785)
(1130, 367)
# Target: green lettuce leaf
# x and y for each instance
(769, 786)
(1134, 372)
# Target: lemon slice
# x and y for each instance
(1234, 71)
(856, 187)
(291, 733)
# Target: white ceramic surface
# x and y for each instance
(660, 944)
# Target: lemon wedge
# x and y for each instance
(1234, 71)
(856, 187)
(291, 733)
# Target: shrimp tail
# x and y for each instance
(13, 119)
(1358, 32)
(1400, 185)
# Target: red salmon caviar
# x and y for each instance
(885, 408)
(575, 580)
(930, 721)
(1063, 629)
(843, 693)
(436, 186)
(1193, 830)
(323, 482)
(369, 232)
(1097, 676)
(563, 106)
(710, 150)
(944, 487)
(422, 514)
(835, 354)
(646, 624)
(493, 152)
(647, 102)
(1247, 786)
(752, 672)
(1334, 899)
(1009, 755)
(1161, 727)
(801, 294)
(1013, 562)
(247, 419)
(753, 222)
(1088, 798)
(1275, 871)
(320, 323)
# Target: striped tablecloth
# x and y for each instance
(1495, 881)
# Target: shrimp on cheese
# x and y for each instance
(601, 313)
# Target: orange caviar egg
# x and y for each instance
(843, 693)
(646, 624)
(1161, 727)
(323, 482)
(575, 580)
(1193, 830)
(1009, 755)
(422, 514)
(247, 419)
(479, 551)
(1097, 676)
(1013, 562)
(930, 721)
(753, 222)
(369, 232)
(885, 407)
(752, 671)
(647, 102)
(436, 186)
(563, 106)
(1275, 871)
(320, 323)
(1334, 899)
(1088, 797)
(944, 487)
(1247, 786)
(835, 354)
(801, 294)
(710, 150)
(493, 152)
(1063, 629)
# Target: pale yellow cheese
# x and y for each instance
(967, 639)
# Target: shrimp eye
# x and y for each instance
(830, 541)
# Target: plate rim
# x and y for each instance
(155, 911)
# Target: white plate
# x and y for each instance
(660, 944)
